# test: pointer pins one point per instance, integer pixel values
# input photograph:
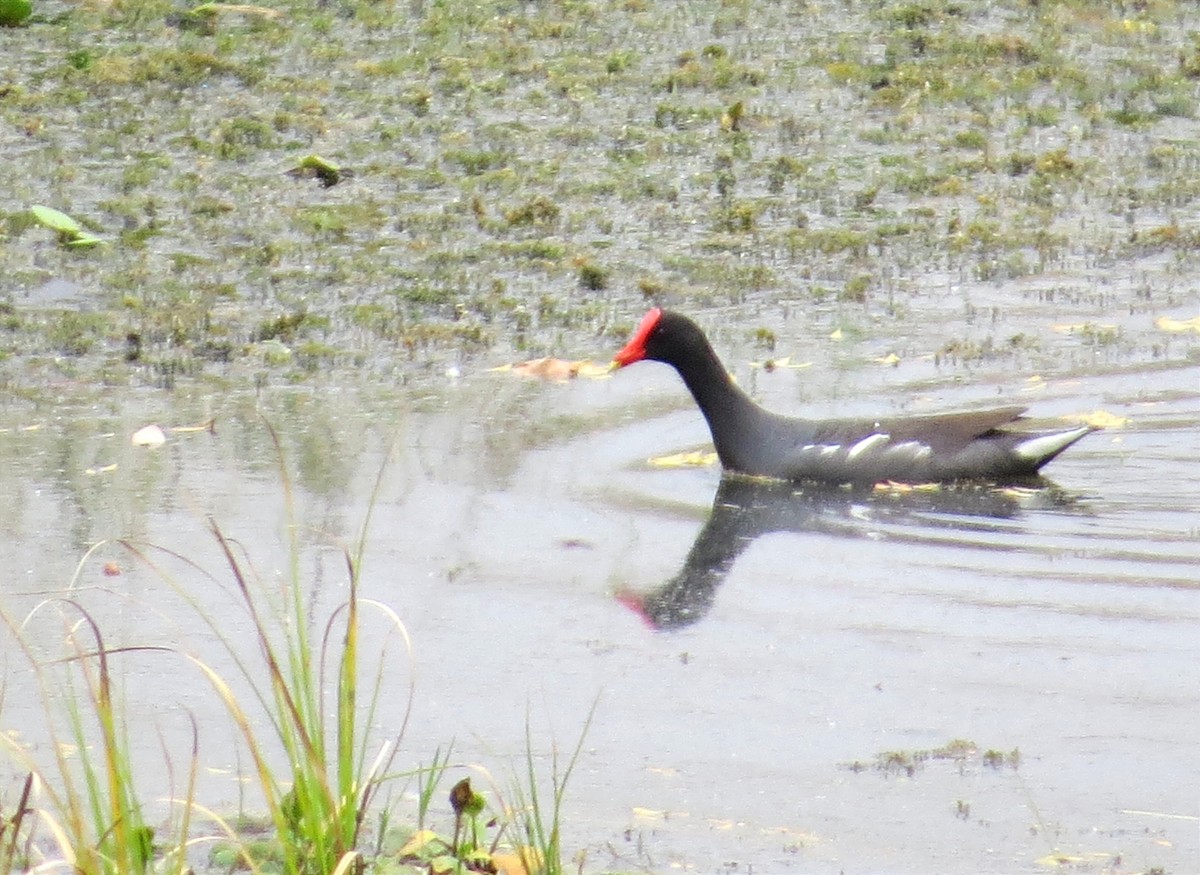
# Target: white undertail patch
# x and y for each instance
(1035, 449)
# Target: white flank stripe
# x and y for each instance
(913, 449)
(867, 444)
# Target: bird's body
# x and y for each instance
(973, 445)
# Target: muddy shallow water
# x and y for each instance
(784, 679)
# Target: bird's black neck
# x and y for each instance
(734, 420)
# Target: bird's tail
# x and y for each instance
(1039, 449)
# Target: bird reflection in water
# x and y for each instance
(745, 508)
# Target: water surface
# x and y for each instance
(777, 672)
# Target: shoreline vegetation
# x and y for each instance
(303, 700)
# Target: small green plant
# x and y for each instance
(428, 779)
(650, 287)
(737, 217)
(618, 62)
(972, 138)
(522, 836)
(282, 328)
(14, 12)
(855, 290)
(592, 276)
(540, 827)
(731, 119)
(764, 338)
(539, 210)
(323, 170)
(470, 848)
(69, 231)
(476, 162)
(468, 831)
(242, 137)
(781, 170)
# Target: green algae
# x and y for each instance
(695, 154)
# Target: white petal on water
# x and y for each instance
(150, 436)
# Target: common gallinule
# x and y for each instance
(974, 445)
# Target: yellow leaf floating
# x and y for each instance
(210, 426)
(1056, 860)
(524, 861)
(547, 369)
(786, 362)
(893, 488)
(1177, 326)
(890, 359)
(1086, 327)
(509, 864)
(594, 371)
(1103, 419)
(697, 459)
(649, 813)
(555, 370)
(1020, 494)
(415, 845)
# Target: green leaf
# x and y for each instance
(316, 162)
(143, 837)
(475, 804)
(84, 241)
(444, 864)
(56, 221)
(322, 169)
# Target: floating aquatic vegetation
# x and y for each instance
(70, 233)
